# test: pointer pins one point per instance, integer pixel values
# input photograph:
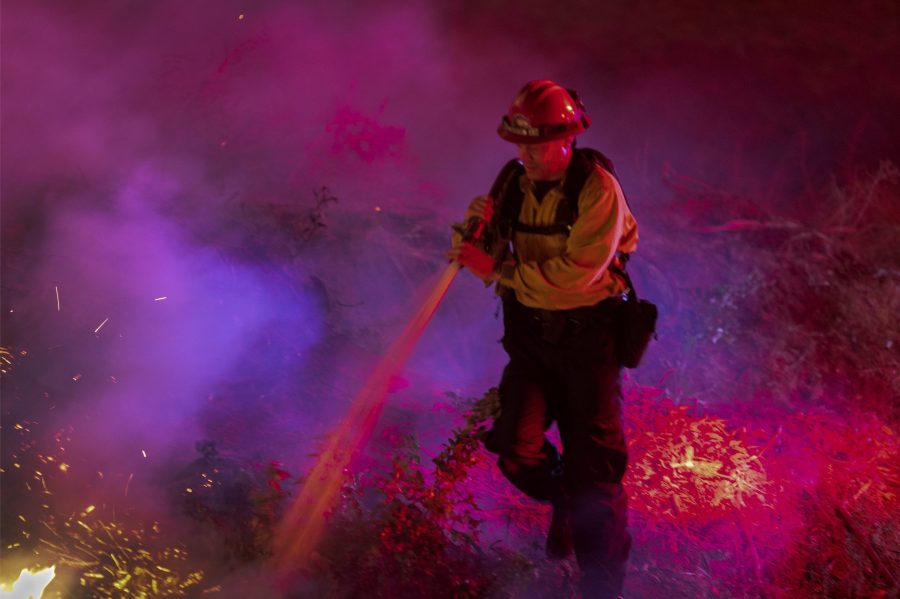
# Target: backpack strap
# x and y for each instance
(584, 161)
(510, 196)
(507, 196)
(508, 193)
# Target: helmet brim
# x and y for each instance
(531, 139)
(535, 135)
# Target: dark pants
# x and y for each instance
(563, 367)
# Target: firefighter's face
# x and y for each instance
(547, 160)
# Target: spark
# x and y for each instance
(57, 299)
(128, 483)
(144, 453)
(97, 330)
(76, 378)
(43, 483)
(377, 208)
(116, 563)
(159, 299)
(240, 17)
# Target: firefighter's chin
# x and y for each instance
(540, 173)
(533, 171)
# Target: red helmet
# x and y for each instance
(543, 111)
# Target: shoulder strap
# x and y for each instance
(508, 195)
(584, 160)
(511, 169)
(583, 164)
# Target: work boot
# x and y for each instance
(559, 537)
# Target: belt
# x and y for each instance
(583, 314)
(555, 323)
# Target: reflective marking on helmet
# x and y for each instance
(520, 125)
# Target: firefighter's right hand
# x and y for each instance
(481, 207)
(481, 264)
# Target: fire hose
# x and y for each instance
(303, 524)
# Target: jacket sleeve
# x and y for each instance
(591, 246)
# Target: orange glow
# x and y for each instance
(304, 522)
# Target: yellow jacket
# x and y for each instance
(559, 272)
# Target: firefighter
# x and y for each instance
(558, 232)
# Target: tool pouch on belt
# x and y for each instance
(635, 326)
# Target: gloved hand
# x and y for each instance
(475, 259)
(481, 207)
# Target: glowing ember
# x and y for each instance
(29, 585)
(6, 360)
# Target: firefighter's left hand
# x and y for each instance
(475, 259)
